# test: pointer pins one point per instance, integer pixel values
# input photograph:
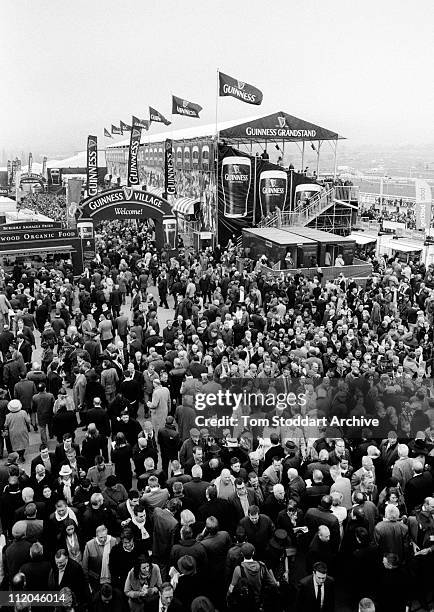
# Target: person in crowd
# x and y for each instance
(338, 500)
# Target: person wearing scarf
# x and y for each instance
(71, 541)
(142, 584)
(66, 485)
(96, 558)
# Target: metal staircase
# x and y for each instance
(302, 214)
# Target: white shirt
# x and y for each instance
(316, 587)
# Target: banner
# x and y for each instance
(73, 197)
(228, 86)
(140, 123)
(9, 172)
(423, 205)
(107, 134)
(116, 130)
(44, 167)
(184, 107)
(92, 166)
(133, 169)
(29, 169)
(169, 169)
(125, 127)
(157, 117)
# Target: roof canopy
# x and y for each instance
(278, 126)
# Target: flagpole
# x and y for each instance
(217, 106)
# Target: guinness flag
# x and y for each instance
(29, 170)
(133, 168)
(92, 166)
(169, 170)
(154, 115)
(184, 107)
(116, 130)
(107, 134)
(228, 86)
(125, 127)
(141, 123)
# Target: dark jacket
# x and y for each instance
(306, 599)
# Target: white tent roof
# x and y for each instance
(362, 238)
(183, 134)
(77, 161)
(36, 168)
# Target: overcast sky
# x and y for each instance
(69, 69)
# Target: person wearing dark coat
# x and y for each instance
(24, 347)
(37, 570)
(54, 380)
(324, 516)
(99, 416)
(170, 443)
(69, 573)
(93, 444)
(96, 514)
(64, 421)
(24, 391)
(18, 551)
(123, 557)
(61, 449)
(214, 506)
(311, 588)
(128, 426)
(121, 455)
(418, 488)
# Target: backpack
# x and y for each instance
(243, 597)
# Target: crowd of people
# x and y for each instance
(50, 204)
(141, 497)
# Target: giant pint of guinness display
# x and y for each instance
(273, 185)
(236, 180)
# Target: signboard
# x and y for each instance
(4, 191)
(32, 177)
(7, 238)
(29, 226)
(125, 203)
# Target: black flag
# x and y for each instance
(169, 170)
(154, 115)
(141, 123)
(92, 166)
(228, 86)
(107, 134)
(116, 130)
(184, 107)
(125, 127)
(133, 168)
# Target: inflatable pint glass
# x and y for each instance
(273, 185)
(236, 179)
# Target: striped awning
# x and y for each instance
(184, 206)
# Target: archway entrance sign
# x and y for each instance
(128, 203)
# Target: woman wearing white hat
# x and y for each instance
(17, 427)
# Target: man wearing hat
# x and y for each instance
(17, 426)
(189, 583)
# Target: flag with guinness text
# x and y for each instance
(157, 117)
(107, 134)
(125, 127)
(92, 166)
(141, 123)
(184, 107)
(133, 167)
(228, 86)
(116, 130)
